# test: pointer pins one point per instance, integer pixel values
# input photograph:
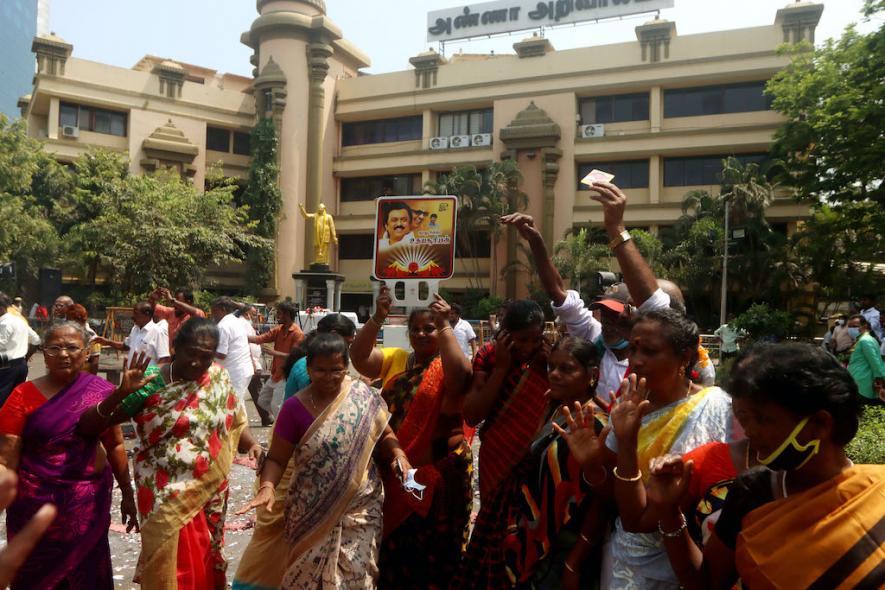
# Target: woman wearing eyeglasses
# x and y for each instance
(333, 429)
(57, 464)
(424, 391)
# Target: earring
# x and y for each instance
(681, 372)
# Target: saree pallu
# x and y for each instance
(188, 434)
(423, 539)
(509, 431)
(639, 560)
(829, 537)
(525, 531)
(58, 466)
(333, 508)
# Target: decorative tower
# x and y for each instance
(298, 54)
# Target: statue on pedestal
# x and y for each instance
(324, 233)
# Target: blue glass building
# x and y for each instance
(18, 26)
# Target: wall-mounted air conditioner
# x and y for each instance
(481, 140)
(592, 131)
(439, 143)
(70, 131)
(459, 141)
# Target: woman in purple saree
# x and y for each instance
(39, 439)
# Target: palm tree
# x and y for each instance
(484, 196)
(577, 257)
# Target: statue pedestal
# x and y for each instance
(318, 287)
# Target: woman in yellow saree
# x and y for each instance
(333, 507)
(811, 518)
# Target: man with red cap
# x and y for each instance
(611, 330)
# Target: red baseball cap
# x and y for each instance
(610, 304)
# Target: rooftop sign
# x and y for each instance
(507, 16)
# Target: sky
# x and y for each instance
(207, 32)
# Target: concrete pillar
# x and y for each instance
(318, 61)
(656, 108)
(52, 118)
(429, 128)
(331, 289)
(655, 181)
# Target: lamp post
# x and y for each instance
(723, 301)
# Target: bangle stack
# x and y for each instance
(449, 328)
(635, 478)
(677, 532)
(375, 321)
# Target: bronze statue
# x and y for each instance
(324, 233)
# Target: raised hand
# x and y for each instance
(504, 349)
(587, 447)
(133, 376)
(266, 497)
(613, 201)
(668, 481)
(524, 224)
(382, 304)
(440, 310)
(632, 405)
(129, 512)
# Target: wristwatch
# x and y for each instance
(622, 237)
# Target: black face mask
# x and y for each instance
(791, 455)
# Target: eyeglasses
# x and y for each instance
(56, 350)
(326, 373)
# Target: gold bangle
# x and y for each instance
(593, 485)
(622, 238)
(584, 538)
(376, 322)
(98, 411)
(449, 328)
(635, 478)
(268, 484)
(568, 567)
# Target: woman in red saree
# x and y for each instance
(57, 464)
(423, 531)
(189, 423)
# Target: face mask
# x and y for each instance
(854, 332)
(619, 345)
(791, 455)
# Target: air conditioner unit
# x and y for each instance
(481, 139)
(592, 131)
(70, 131)
(439, 143)
(459, 141)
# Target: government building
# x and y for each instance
(659, 113)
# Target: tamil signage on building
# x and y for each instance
(507, 16)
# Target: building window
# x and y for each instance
(369, 188)
(480, 244)
(356, 246)
(242, 143)
(93, 119)
(382, 131)
(628, 174)
(702, 170)
(716, 100)
(614, 109)
(466, 122)
(217, 140)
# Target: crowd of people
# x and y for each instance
(608, 457)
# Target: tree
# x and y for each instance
(154, 230)
(265, 201)
(484, 197)
(834, 100)
(577, 257)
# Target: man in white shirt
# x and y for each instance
(144, 337)
(871, 314)
(612, 329)
(463, 331)
(233, 351)
(17, 343)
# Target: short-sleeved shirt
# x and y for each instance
(284, 340)
(22, 402)
(464, 334)
(293, 421)
(149, 339)
(175, 322)
(233, 342)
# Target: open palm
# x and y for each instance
(668, 481)
(586, 446)
(632, 405)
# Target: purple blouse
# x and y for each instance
(293, 421)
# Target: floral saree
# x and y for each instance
(188, 434)
(58, 466)
(333, 506)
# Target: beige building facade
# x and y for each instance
(659, 112)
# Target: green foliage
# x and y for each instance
(834, 98)
(264, 201)
(27, 239)
(578, 259)
(651, 248)
(484, 196)
(867, 447)
(763, 323)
